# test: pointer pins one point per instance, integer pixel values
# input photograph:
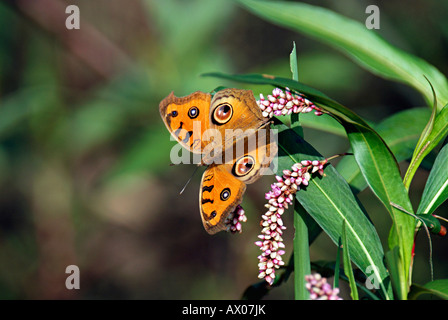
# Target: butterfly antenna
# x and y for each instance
(186, 184)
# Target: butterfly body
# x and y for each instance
(233, 138)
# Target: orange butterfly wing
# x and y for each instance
(186, 118)
(219, 195)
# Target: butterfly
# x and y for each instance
(233, 139)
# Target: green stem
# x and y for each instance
(302, 264)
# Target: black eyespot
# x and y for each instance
(213, 214)
(193, 112)
(174, 113)
(222, 113)
(225, 194)
(243, 166)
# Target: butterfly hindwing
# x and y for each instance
(219, 195)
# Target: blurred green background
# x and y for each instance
(84, 156)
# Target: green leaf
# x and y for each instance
(436, 188)
(330, 201)
(400, 132)
(323, 123)
(364, 46)
(437, 287)
(383, 176)
(295, 76)
(422, 144)
(439, 130)
(434, 132)
(302, 265)
(293, 63)
(337, 264)
(347, 263)
(256, 78)
(395, 265)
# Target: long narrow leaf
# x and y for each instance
(364, 46)
(434, 132)
(423, 144)
(436, 188)
(378, 167)
(347, 264)
(394, 264)
(337, 264)
(400, 132)
(302, 265)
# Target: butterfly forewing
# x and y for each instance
(187, 118)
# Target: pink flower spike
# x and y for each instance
(320, 289)
(279, 197)
(286, 101)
